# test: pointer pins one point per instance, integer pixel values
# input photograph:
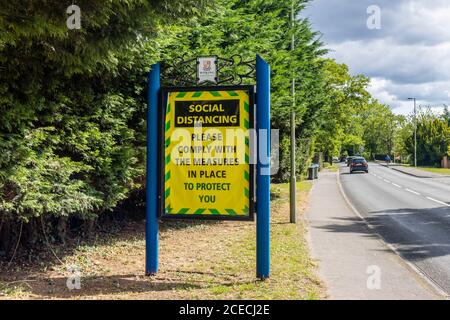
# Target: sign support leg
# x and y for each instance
(151, 226)
(263, 170)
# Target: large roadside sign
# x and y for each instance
(205, 153)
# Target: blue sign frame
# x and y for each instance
(262, 175)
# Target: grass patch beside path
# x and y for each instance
(331, 167)
(198, 260)
(436, 170)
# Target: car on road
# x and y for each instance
(359, 164)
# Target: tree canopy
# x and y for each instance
(73, 102)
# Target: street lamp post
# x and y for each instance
(415, 132)
(293, 182)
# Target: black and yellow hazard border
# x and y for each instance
(163, 101)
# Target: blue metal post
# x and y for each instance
(263, 170)
(151, 226)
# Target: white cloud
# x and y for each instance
(421, 21)
(400, 63)
(409, 56)
(427, 94)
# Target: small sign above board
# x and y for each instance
(207, 69)
(205, 153)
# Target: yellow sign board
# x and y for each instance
(206, 153)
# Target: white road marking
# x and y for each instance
(437, 201)
(412, 191)
(412, 266)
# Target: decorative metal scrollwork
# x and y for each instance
(230, 71)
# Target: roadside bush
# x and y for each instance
(72, 107)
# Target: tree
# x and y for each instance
(402, 133)
(380, 125)
(433, 138)
(72, 103)
(446, 114)
(346, 100)
(255, 27)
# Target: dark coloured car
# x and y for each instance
(359, 164)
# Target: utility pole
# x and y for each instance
(293, 180)
(415, 132)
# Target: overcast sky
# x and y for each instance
(408, 57)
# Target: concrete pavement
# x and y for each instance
(353, 261)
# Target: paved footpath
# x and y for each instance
(353, 262)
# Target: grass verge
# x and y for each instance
(198, 260)
(331, 167)
(436, 170)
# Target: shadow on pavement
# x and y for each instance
(417, 234)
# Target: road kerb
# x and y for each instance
(432, 286)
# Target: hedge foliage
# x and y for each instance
(73, 102)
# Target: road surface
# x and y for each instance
(411, 214)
